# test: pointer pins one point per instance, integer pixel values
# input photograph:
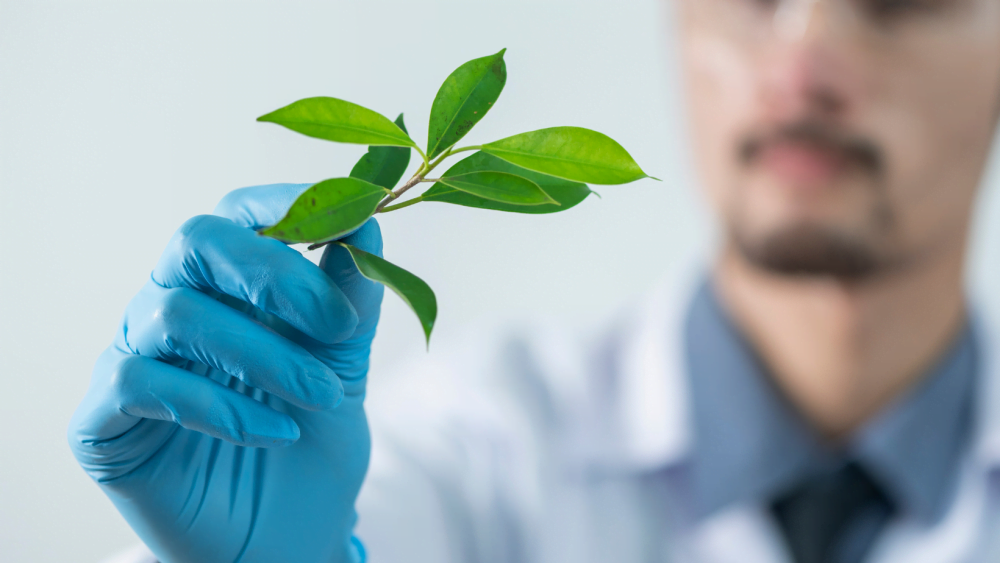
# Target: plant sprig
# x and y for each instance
(543, 171)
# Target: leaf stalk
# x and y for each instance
(423, 155)
(406, 203)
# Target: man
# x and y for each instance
(826, 395)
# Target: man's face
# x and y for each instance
(841, 137)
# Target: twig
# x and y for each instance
(399, 191)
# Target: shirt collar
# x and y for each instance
(916, 445)
(748, 441)
(752, 444)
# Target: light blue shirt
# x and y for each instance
(751, 444)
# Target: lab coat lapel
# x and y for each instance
(653, 413)
(638, 421)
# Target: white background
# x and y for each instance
(119, 120)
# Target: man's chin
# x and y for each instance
(809, 251)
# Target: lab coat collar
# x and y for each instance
(643, 421)
(639, 420)
(986, 441)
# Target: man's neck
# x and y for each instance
(841, 351)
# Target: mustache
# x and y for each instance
(863, 152)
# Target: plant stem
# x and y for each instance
(399, 191)
(450, 152)
(423, 155)
(406, 203)
(463, 149)
(441, 158)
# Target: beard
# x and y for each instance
(810, 251)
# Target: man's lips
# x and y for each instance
(803, 163)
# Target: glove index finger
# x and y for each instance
(213, 254)
(349, 359)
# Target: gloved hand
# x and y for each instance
(226, 421)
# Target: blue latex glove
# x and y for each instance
(226, 421)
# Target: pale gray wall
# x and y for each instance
(118, 120)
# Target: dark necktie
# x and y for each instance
(834, 518)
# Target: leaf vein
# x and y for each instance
(347, 127)
(549, 157)
(460, 108)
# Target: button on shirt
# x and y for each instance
(751, 444)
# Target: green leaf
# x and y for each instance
(566, 193)
(336, 120)
(383, 166)
(464, 98)
(573, 153)
(499, 186)
(328, 210)
(411, 289)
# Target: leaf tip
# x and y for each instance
(500, 54)
(401, 124)
(653, 178)
(268, 117)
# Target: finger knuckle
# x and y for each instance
(155, 318)
(171, 315)
(137, 306)
(127, 375)
(173, 309)
(232, 203)
(187, 238)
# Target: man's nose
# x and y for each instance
(813, 68)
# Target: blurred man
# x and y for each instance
(826, 395)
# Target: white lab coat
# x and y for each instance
(534, 446)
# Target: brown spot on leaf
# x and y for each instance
(464, 127)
